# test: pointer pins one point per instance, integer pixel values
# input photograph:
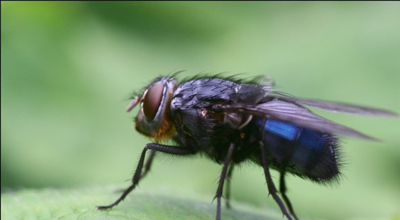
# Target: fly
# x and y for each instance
(232, 121)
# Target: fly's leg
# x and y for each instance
(222, 180)
(147, 166)
(271, 187)
(136, 177)
(282, 189)
(228, 186)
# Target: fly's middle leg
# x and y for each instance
(222, 180)
(228, 186)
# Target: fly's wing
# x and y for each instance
(337, 107)
(295, 114)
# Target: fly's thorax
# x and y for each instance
(153, 117)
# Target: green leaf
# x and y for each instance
(70, 204)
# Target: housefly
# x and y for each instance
(231, 121)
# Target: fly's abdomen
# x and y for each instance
(299, 150)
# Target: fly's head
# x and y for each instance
(153, 117)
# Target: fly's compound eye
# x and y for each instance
(152, 100)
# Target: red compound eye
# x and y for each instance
(152, 100)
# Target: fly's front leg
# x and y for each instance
(148, 164)
(136, 177)
(271, 187)
(147, 167)
(222, 180)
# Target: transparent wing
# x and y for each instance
(337, 107)
(292, 113)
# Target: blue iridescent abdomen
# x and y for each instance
(299, 150)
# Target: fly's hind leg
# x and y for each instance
(271, 187)
(282, 189)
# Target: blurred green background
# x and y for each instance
(68, 69)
